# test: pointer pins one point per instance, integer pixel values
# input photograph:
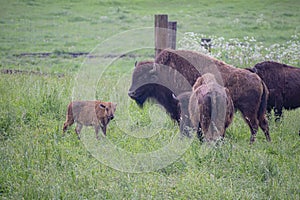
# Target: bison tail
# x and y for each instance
(264, 101)
(263, 122)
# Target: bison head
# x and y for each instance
(150, 83)
(143, 83)
(108, 110)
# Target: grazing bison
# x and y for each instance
(283, 82)
(89, 113)
(248, 92)
(211, 108)
(207, 109)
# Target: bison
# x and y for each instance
(210, 107)
(89, 113)
(183, 107)
(205, 107)
(248, 92)
(151, 81)
(283, 82)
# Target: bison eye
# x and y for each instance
(102, 106)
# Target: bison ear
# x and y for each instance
(135, 63)
(102, 106)
(114, 105)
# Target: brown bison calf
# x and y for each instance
(210, 107)
(89, 113)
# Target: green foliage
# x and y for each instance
(38, 161)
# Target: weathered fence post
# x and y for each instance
(161, 33)
(165, 33)
(172, 28)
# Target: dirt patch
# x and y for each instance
(29, 72)
(75, 55)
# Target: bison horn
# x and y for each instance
(174, 97)
(135, 63)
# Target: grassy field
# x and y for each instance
(39, 162)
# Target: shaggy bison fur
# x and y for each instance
(210, 107)
(173, 68)
(283, 82)
(89, 113)
(151, 81)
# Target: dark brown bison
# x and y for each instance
(283, 82)
(89, 113)
(151, 81)
(207, 109)
(247, 90)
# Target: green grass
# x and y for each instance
(38, 162)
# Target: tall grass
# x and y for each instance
(39, 162)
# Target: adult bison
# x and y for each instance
(283, 82)
(247, 90)
(158, 82)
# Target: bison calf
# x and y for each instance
(89, 113)
(210, 107)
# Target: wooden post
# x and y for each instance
(172, 28)
(161, 33)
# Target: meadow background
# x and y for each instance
(39, 162)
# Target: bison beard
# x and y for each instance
(248, 92)
(283, 82)
(159, 93)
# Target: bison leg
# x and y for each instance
(277, 113)
(104, 130)
(269, 112)
(278, 107)
(97, 127)
(261, 114)
(78, 129)
(200, 133)
(251, 119)
(68, 123)
(185, 126)
(263, 124)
